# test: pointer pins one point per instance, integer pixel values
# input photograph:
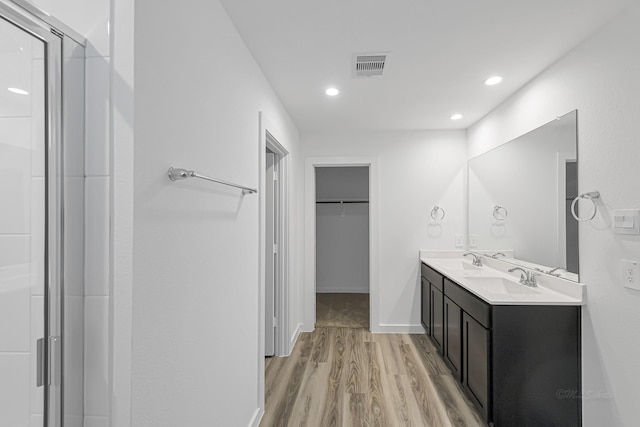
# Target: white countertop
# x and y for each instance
(496, 286)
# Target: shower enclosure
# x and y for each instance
(41, 219)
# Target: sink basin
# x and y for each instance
(456, 265)
(499, 285)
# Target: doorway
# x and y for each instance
(274, 244)
(571, 225)
(311, 164)
(342, 246)
(272, 235)
(273, 272)
(567, 254)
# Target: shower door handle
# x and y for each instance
(55, 361)
(40, 362)
(48, 367)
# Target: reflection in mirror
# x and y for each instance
(532, 180)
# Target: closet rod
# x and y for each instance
(344, 201)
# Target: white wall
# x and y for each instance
(342, 231)
(600, 79)
(198, 92)
(417, 170)
(121, 210)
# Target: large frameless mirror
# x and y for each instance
(520, 196)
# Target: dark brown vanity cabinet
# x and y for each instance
(517, 363)
(475, 362)
(425, 305)
(437, 318)
(432, 305)
(535, 366)
(453, 337)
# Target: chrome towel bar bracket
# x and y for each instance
(177, 174)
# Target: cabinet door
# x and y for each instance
(475, 371)
(425, 306)
(453, 337)
(437, 318)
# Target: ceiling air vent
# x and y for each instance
(369, 65)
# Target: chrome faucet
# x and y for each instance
(497, 254)
(553, 271)
(477, 261)
(527, 278)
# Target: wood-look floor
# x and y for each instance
(339, 376)
(343, 310)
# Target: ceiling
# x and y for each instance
(441, 51)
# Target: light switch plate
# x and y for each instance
(630, 274)
(626, 221)
(459, 241)
(473, 241)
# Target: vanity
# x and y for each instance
(505, 315)
(514, 349)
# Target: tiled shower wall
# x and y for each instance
(97, 208)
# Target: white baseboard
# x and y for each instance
(294, 338)
(342, 290)
(306, 328)
(257, 417)
(397, 329)
(380, 329)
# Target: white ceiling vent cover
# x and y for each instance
(369, 65)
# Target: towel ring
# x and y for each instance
(434, 213)
(591, 196)
(500, 213)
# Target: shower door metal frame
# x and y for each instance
(32, 20)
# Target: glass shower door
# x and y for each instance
(41, 220)
(23, 217)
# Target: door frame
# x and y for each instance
(311, 163)
(270, 137)
(272, 255)
(270, 140)
(561, 233)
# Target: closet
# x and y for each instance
(342, 246)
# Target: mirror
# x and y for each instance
(520, 196)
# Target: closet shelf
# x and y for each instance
(341, 201)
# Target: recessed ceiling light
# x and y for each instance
(332, 91)
(18, 91)
(494, 80)
(456, 117)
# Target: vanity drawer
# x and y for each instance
(432, 276)
(474, 306)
